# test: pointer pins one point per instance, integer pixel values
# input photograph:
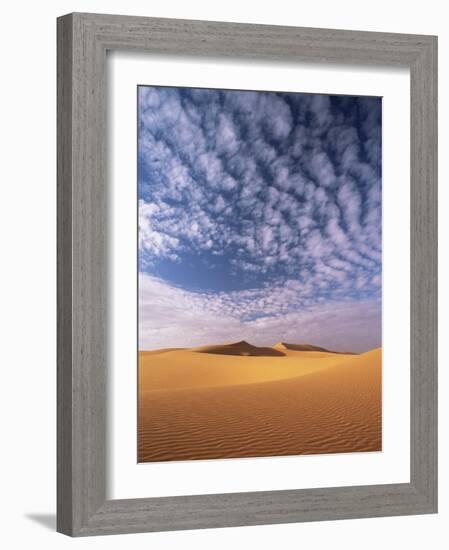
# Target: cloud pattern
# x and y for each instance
(261, 205)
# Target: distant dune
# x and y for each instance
(282, 346)
(240, 348)
(239, 400)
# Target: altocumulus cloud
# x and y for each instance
(259, 215)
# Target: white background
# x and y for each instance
(27, 300)
(131, 480)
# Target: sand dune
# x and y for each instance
(196, 404)
(283, 346)
(240, 348)
(183, 369)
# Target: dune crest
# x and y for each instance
(282, 346)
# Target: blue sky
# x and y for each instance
(259, 217)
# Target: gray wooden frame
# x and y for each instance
(83, 40)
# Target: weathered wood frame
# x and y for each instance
(83, 40)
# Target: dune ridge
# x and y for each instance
(201, 405)
(282, 346)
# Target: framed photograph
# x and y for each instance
(247, 282)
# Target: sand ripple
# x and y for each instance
(333, 409)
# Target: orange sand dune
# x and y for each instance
(201, 405)
(188, 369)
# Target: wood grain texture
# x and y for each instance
(64, 278)
(423, 276)
(83, 40)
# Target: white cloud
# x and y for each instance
(286, 187)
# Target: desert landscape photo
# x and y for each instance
(239, 400)
(260, 274)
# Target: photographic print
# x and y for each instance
(260, 273)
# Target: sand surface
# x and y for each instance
(215, 403)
